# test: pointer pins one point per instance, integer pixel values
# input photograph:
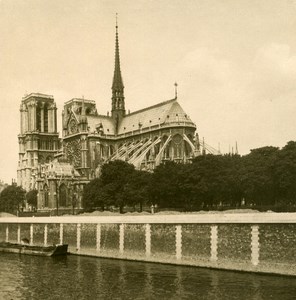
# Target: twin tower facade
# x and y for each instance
(60, 167)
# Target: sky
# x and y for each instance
(234, 62)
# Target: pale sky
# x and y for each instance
(234, 62)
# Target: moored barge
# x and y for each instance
(53, 250)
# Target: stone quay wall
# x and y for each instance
(250, 242)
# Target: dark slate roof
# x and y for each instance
(162, 113)
(165, 113)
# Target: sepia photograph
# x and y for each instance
(148, 149)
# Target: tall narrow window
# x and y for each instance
(45, 196)
(45, 118)
(38, 117)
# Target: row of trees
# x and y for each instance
(265, 177)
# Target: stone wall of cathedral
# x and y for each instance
(38, 139)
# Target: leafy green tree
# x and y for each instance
(215, 180)
(204, 176)
(91, 195)
(285, 175)
(257, 175)
(136, 190)
(31, 198)
(12, 198)
(113, 186)
(166, 188)
(115, 177)
(207, 182)
(228, 186)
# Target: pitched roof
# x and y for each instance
(64, 169)
(162, 113)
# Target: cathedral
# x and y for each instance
(60, 167)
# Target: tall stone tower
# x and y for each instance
(38, 138)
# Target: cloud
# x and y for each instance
(273, 73)
(250, 102)
(207, 66)
(211, 77)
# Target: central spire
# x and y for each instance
(118, 105)
(117, 79)
(117, 85)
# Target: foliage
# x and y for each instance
(115, 178)
(257, 175)
(12, 198)
(265, 177)
(285, 175)
(119, 185)
(136, 191)
(91, 195)
(165, 189)
(215, 180)
(31, 197)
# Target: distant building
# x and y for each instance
(60, 168)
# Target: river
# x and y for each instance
(76, 277)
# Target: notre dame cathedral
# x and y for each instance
(59, 168)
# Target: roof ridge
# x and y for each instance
(152, 106)
(98, 115)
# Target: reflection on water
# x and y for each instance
(75, 277)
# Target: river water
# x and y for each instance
(76, 277)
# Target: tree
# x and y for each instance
(115, 178)
(111, 188)
(136, 190)
(166, 188)
(214, 180)
(12, 198)
(31, 198)
(91, 195)
(285, 175)
(257, 174)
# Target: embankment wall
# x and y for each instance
(252, 242)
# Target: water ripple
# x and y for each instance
(74, 277)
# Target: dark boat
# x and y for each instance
(34, 249)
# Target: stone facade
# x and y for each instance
(59, 186)
(38, 139)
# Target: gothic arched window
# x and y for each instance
(63, 195)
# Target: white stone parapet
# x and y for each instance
(214, 243)
(217, 218)
(148, 240)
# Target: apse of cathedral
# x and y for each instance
(59, 168)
